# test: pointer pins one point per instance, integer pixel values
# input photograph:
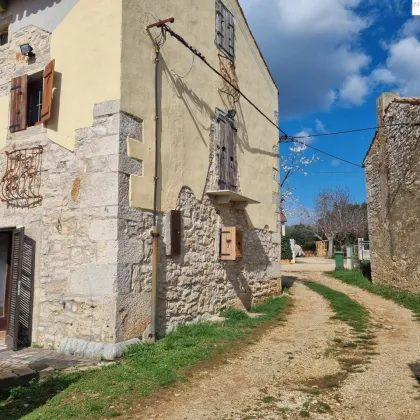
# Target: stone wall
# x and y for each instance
(196, 285)
(93, 260)
(14, 64)
(77, 266)
(393, 194)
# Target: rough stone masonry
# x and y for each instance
(93, 255)
(393, 193)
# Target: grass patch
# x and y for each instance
(408, 300)
(108, 392)
(346, 309)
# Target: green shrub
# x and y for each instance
(286, 249)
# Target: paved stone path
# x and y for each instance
(17, 368)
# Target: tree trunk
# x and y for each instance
(330, 247)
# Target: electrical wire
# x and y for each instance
(286, 137)
(197, 53)
(328, 154)
(356, 130)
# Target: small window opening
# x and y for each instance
(4, 35)
(35, 88)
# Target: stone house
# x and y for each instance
(79, 141)
(392, 167)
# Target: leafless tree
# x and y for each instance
(336, 216)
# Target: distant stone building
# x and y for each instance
(78, 147)
(392, 167)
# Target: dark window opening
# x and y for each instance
(4, 36)
(35, 88)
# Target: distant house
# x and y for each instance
(392, 167)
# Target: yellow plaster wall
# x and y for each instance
(86, 47)
(4, 120)
(190, 95)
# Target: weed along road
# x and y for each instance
(340, 352)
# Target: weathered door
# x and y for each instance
(19, 322)
(4, 280)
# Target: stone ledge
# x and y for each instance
(106, 108)
(94, 350)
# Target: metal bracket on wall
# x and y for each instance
(20, 184)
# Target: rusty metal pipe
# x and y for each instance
(160, 23)
(155, 234)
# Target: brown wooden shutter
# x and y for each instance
(175, 232)
(47, 92)
(231, 246)
(223, 154)
(227, 243)
(18, 104)
(19, 323)
(231, 157)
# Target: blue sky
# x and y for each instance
(331, 59)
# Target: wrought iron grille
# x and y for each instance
(227, 68)
(20, 184)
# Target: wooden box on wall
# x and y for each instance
(231, 244)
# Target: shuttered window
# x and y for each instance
(30, 102)
(225, 30)
(226, 152)
(19, 323)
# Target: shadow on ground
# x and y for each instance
(415, 368)
(18, 402)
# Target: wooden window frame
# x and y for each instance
(19, 99)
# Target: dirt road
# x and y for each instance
(283, 375)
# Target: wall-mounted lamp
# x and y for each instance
(26, 50)
(231, 114)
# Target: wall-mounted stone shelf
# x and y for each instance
(236, 200)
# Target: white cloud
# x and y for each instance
(320, 127)
(354, 90)
(311, 48)
(335, 163)
(402, 66)
(411, 27)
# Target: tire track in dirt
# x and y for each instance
(387, 389)
(285, 357)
